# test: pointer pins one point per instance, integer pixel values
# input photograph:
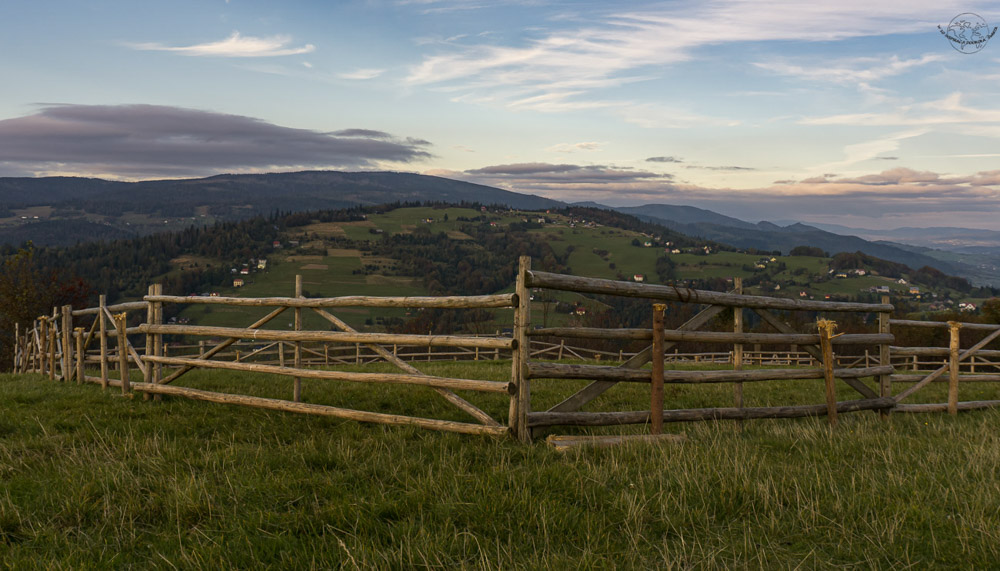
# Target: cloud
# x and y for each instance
(362, 74)
(867, 150)
(573, 147)
(142, 141)
(944, 111)
(611, 49)
(855, 71)
(664, 160)
(233, 46)
(568, 180)
(723, 168)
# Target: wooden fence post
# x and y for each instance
(953, 348)
(297, 381)
(52, 349)
(825, 334)
(17, 346)
(79, 355)
(43, 344)
(67, 343)
(521, 406)
(656, 390)
(738, 347)
(157, 368)
(147, 371)
(102, 315)
(120, 322)
(884, 357)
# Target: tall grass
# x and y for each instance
(91, 480)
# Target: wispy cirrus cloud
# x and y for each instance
(362, 74)
(564, 66)
(855, 71)
(235, 46)
(143, 141)
(947, 110)
(574, 147)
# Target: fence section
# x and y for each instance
(603, 378)
(55, 356)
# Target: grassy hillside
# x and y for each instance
(331, 267)
(91, 479)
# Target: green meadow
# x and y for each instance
(92, 479)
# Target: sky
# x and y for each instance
(857, 113)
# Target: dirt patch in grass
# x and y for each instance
(343, 253)
(389, 280)
(458, 235)
(303, 258)
(315, 267)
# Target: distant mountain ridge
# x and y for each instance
(769, 236)
(288, 191)
(101, 209)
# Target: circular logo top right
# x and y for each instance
(968, 32)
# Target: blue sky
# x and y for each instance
(857, 113)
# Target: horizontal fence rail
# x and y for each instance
(453, 302)
(332, 336)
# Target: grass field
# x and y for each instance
(92, 480)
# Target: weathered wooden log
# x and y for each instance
(102, 319)
(935, 352)
(943, 406)
(297, 355)
(687, 295)
(321, 410)
(456, 302)
(710, 336)
(619, 374)
(66, 364)
(962, 378)
(656, 389)
(520, 406)
(392, 378)
(79, 355)
(954, 344)
(119, 320)
(943, 324)
(826, 346)
(331, 336)
(738, 346)
(127, 306)
(537, 419)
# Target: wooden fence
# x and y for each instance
(60, 346)
(602, 378)
(48, 347)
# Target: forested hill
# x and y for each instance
(482, 261)
(242, 196)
